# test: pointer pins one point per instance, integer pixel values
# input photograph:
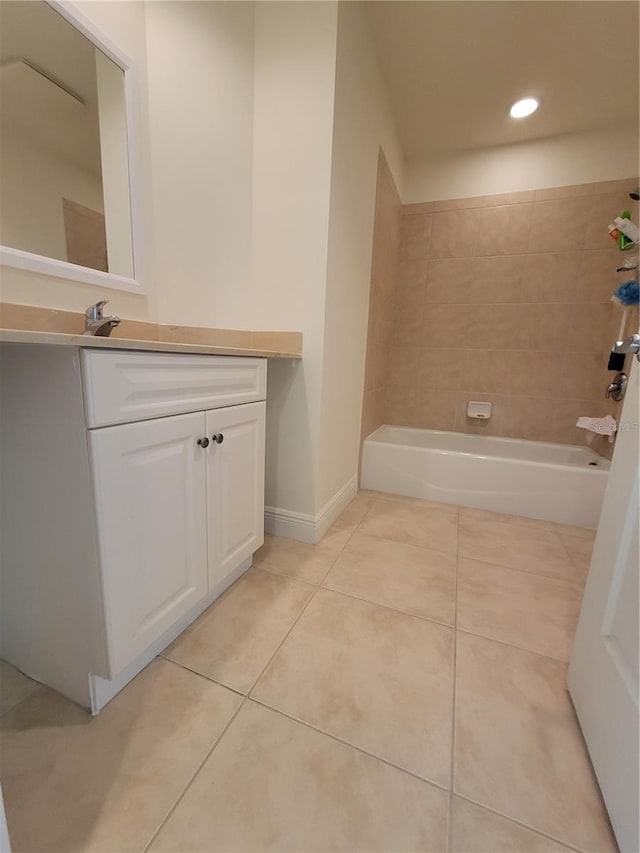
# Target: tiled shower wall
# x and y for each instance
(384, 263)
(506, 299)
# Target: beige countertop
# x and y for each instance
(29, 324)
(23, 336)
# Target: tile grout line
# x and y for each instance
(576, 583)
(203, 675)
(348, 743)
(316, 587)
(520, 823)
(389, 607)
(264, 567)
(243, 697)
(512, 646)
(195, 774)
(453, 697)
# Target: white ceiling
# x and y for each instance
(453, 67)
(35, 32)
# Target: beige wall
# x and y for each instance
(384, 268)
(200, 71)
(294, 83)
(362, 122)
(506, 299)
(596, 155)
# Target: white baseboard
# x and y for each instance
(309, 528)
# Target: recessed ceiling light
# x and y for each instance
(523, 108)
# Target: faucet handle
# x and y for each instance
(94, 312)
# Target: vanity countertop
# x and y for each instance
(30, 324)
(23, 336)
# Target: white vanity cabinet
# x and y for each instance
(151, 509)
(162, 464)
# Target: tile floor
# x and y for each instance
(398, 687)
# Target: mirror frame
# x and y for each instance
(32, 262)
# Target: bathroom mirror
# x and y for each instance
(65, 148)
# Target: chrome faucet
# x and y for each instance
(96, 324)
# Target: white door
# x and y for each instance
(235, 488)
(150, 501)
(603, 673)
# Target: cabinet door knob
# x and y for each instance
(203, 442)
(219, 438)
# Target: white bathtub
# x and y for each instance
(553, 482)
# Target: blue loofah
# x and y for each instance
(627, 294)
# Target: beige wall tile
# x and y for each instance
(442, 369)
(498, 326)
(372, 411)
(475, 280)
(411, 273)
(540, 373)
(593, 327)
(415, 235)
(559, 225)
(446, 325)
(408, 314)
(375, 365)
(421, 207)
(504, 230)
(437, 410)
(486, 371)
(575, 191)
(450, 280)
(508, 198)
(597, 278)
(528, 417)
(550, 277)
(454, 233)
(584, 376)
(626, 185)
(457, 204)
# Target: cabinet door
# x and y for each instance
(150, 502)
(235, 487)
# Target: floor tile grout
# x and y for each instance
(199, 768)
(348, 743)
(388, 607)
(512, 646)
(453, 698)
(520, 823)
(576, 583)
(266, 568)
(203, 675)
